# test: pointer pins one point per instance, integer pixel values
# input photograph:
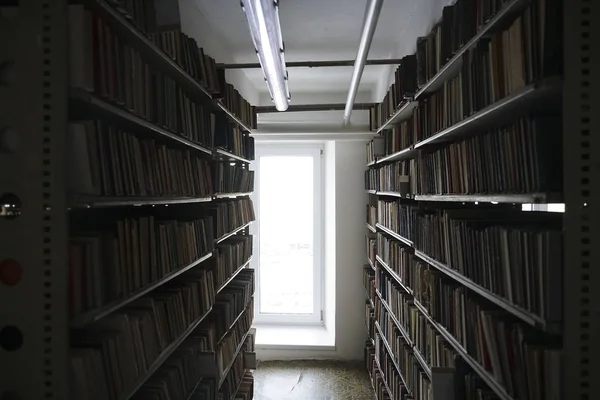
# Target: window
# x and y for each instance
(289, 234)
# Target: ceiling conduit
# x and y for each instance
(370, 23)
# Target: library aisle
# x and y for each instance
(181, 208)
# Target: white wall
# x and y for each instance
(350, 254)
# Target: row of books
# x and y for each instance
(233, 178)
(230, 256)
(178, 377)
(370, 319)
(233, 301)
(528, 49)
(527, 365)
(396, 216)
(392, 377)
(184, 51)
(398, 177)
(374, 149)
(404, 86)
(181, 48)
(234, 377)
(230, 215)
(523, 157)
(431, 344)
(231, 138)
(104, 160)
(111, 258)
(395, 255)
(515, 255)
(234, 102)
(381, 391)
(371, 248)
(104, 64)
(246, 388)
(401, 137)
(108, 358)
(458, 25)
(371, 215)
(399, 302)
(226, 351)
(369, 281)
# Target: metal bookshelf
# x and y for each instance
(37, 103)
(571, 96)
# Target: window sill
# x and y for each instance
(294, 337)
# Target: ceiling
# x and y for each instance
(322, 30)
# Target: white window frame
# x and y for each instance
(290, 149)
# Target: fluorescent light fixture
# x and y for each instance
(263, 20)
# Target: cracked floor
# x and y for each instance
(312, 380)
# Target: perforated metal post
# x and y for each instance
(33, 105)
(581, 141)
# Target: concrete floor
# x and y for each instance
(312, 380)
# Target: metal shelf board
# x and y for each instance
(404, 154)
(476, 366)
(226, 370)
(394, 275)
(85, 201)
(524, 315)
(191, 395)
(395, 320)
(231, 195)
(371, 228)
(232, 277)
(394, 234)
(80, 99)
(233, 232)
(224, 154)
(537, 96)
(162, 358)
(492, 198)
(99, 313)
(452, 67)
(404, 111)
(371, 263)
(424, 366)
(391, 353)
(232, 117)
(224, 335)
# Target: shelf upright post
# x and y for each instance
(33, 216)
(581, 143)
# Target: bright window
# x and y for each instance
(288, 245)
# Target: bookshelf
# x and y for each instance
(426, 135)
(129, 250)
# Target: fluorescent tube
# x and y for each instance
(263, 20)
